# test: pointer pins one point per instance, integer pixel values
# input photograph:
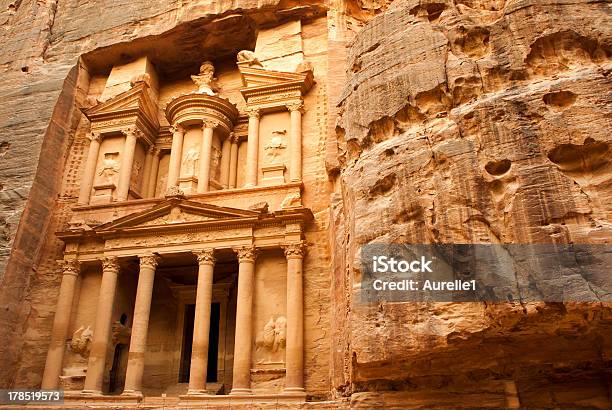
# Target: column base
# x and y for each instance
(197, 392)
(240, 391)
(92, 392)
(132, 393)
(293, 390)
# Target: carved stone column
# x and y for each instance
(102, 328)
(61, 322)
(140, 325)
(201, 322)
(233, 167)
(252, 165)
(146, 172)
(295, 142)
(90, 169)
(205, 153)
(225, 162)
(176, 155)
(127, 163)
(294, 354)
(244, 318)
(151, 181)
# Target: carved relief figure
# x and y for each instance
(81, 340)
(275, 146)
(110, 167)
(271, 341)
(190, 162)
(134, 179)
(205, 79)
(215, 160)
(249, 57)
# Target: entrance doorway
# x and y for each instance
(213, 343)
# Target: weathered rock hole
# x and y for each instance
(414, 213)
(498, 167)
(560, 99)
(356, 66)
(559, 51)
(490, 5)
(409, 115)
(473, 41)
(25, 69)
(432, 11)
(4, 147)
(382, 129)
(389, 152)
(589, 157)
(383, 185)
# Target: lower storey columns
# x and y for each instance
(140, 326)
(102, 329)
(201, 326)
(61, 321)
(244, 319)
(294, 381)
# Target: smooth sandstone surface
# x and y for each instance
(450, 122)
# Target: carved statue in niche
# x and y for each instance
(275, 146)
(134, 178)
(205, 79)
(291, 201)
(271, 341)
(190, 161)
(249, 58)
(81, 340)
(110, 167)
(215, 160)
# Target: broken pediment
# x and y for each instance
(268, 88)
(132, 107)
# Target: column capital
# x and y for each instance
(246, 253)
(94, 136)
(296, 106)
(233, 138)
(176, 128)
(205, 256)
(253, 112)
(294, 250)
(149, 261)
(110, 263)
(70, 267)
(153, 150)
(208, 123)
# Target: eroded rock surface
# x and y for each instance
(474, 122)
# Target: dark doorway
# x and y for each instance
(113, 385)
(187, 344)
(213, 343)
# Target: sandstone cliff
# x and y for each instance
(474, 122)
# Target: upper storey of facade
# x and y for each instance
(229, 127)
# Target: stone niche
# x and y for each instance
(269, 323)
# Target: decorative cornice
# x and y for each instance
(149, 261)
(94, 136)
(246, 253)
(110, 264)
(294, 250)
(205, 256)
(70, 267)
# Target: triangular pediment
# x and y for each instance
(137, 100)
(173, 212)
(256, 77)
